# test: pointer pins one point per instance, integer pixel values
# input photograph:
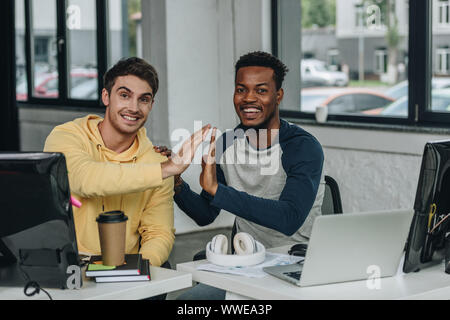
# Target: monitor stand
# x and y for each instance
(447, 252)
(7, 258)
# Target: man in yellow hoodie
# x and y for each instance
(112, 164)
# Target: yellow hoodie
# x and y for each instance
(104, 180)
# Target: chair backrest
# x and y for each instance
(332, 203)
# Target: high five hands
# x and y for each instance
(208, 178)
(179, 162)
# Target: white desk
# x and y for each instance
(163, 281)
(429, 283)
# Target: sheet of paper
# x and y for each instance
(256, 271)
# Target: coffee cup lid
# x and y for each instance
(111, 217)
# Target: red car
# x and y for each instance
(46, 84)
(343, 100)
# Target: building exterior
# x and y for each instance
(359, 39)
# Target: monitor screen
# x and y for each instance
(430, 224)
(37, 232)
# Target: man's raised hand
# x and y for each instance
(208, 177)
(180, 161)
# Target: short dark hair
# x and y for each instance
(264, 59)
(132, 66)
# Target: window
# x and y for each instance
(380, 61)
(443, 61)
(440, 63)
(352, 59)
(41, 52)
(370, 40)
(81, 29)
(44, 56)
(443, 12)
(63, 48)
(21, 73)
(359, 16)
(333, 59)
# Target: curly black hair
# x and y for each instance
(132, 66)
(264, 59)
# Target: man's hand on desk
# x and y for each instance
(179, 162)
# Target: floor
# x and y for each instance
(187, 245)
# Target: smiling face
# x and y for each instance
(256, 98)
(128, 105)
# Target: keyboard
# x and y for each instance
(296, 274)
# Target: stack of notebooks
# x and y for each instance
(135, 268)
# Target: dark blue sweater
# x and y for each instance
(274, 188)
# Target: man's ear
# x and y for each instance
(280, 94)
(105, 97)
(151, 105)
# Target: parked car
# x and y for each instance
(342, 100)
(86, 90)
(401, 88)
(46, 85)
(440, 101)
(21, 85)
(314, 73)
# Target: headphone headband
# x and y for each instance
(235, 260)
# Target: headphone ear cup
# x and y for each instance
(244, 243)
(219, 244)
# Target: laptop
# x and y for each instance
(349, 247)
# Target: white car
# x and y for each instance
(315, 73)
(401, 88)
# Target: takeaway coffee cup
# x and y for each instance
(321, 114)
(112, 230)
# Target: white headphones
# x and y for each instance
(248, 251)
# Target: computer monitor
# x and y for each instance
(37, 232)
(431, 222)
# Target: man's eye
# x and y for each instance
(262, 90)
(124, 95)
(239, 90)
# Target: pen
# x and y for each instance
(431, 214)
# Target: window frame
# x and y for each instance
(63, 99)
(419, 68)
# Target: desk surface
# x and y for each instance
(163, 281)
(429, 283)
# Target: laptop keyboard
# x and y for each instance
(296, 274)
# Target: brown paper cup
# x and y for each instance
(112, 233)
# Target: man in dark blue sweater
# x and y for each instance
(266, 171)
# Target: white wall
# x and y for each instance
(375, 169)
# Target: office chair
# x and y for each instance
(331, 204)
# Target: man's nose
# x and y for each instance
(134, 105)
(249, 96)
